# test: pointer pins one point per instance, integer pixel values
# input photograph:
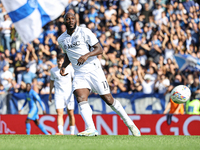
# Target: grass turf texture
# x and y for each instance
(102, 142)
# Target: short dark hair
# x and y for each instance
(60, 56)
(34, 79)
(28, 84)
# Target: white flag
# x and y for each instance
(29, 16)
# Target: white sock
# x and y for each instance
(117, 107)
(60, 129)
(72, 129)
(86, 113)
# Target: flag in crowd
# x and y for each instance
(29, 16)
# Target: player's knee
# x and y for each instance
(81, 98)
(108, 99)
(60, 114)
(37, 122)
(27, 121)
(71, 113)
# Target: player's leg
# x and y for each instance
(86, 112)
(100, 85)
(69, 99)
(117, 107)
(28, 126)
(60, 105)
(60, 121)
(85, 109)
(40, 126)
(32, 114)
(71, 120)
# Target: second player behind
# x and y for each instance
(63, 94)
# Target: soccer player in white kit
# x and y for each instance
(82, 47)
(63, 96)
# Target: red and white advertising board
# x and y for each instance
(108, 124)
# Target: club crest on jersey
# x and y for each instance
(76, 37)
(67, 40)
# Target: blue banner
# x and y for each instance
(135, 103)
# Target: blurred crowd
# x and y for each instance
(139, 38)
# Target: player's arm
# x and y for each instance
(37, 97)
(167, 108)
(91, 40)
(97, 51)
(50, 90)
(52, 78)
(64, 65)
(66, 61)
(23, 106)
(140, 76)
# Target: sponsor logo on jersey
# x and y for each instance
(74, 44)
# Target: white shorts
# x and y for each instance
(62, 101)
(94, 80)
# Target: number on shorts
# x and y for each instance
(105, 85)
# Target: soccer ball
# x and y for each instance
(180, 94)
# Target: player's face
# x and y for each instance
(70, 22)
(28, 87)
(60, 62)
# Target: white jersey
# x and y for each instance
(78, 44)
(62, 84)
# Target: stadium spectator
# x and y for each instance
(35, 86)
(50, 36)
(110, 12)
(6, 77)
(2, 89)
(158, 12)
(189, 4)
(161, 84)
(10, 58)
(195, 88)
(41, 79)
(19, 65)
(5, 28)
(53, 61)
(92, 14)
(45, 89)
(31, 58)
(2, 61)
(28, 76)
(147, 83)
(146, 13)
(2, 13)
(130, 53)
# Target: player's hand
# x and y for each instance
(44, 112)
(50, 97)
(19, 111)
(82, 59)
(62, 72)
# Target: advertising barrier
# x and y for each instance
(135, 103)
(108, 124)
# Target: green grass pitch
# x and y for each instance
(102, 142)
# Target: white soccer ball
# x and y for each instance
(180, 94)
